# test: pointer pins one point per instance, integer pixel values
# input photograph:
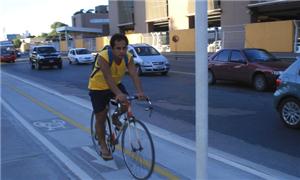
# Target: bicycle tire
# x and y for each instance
(107, 135)
(138, 149)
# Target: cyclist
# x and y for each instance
(105, 83)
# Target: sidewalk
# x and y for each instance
(61, 125)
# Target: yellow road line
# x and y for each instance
(159, 170)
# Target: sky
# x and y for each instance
(36, 16)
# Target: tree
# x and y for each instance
(53, 34)
(17, 43)
(44, 35)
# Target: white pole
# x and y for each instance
(201, 88)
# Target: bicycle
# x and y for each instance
(136, 144)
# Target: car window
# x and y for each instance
(46, 50)
(236, 56)
(4, 51)
(82, 51)
(146, 51)
(259, 55)
(132, 52)
(222, 56)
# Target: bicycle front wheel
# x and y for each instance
(138, 149)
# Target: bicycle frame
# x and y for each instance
(128, 115)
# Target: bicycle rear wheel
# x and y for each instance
(138, 149)
(94, 136)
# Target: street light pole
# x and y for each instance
(201, 89)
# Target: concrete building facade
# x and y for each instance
(136, 16)
(94, 20)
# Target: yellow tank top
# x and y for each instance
(97, 82)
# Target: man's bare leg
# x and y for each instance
(100, 130)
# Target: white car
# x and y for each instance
(148, 59)
(80, 55)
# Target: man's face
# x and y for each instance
(120, 49)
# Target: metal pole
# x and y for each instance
(67, 40)
(201, 88)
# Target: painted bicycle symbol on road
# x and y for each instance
(50, 125)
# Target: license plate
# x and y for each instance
(159, 67)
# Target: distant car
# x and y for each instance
(7, 55)
(80, 55)
(257, 67)
(148, 60)
(45, 55)
(287, 95)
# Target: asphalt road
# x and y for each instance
(241, 121)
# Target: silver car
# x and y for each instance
(287, 95)
(148, 59)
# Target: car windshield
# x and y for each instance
(6, 52)
(146, 51)
(46, 50)
(82, 51)
(259, 55)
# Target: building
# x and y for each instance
(93, 20)
(229, 17)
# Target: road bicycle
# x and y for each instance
(136, 144)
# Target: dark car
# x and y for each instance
(45, 56)
(7, 55)
(256, 67)
(287, 95)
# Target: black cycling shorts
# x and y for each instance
(100, 98)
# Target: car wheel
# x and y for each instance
(70, 62)
(59, 66)
(289, 110)
(139, 70)
(211, 78)
(260, 82)
(164, 73)
(39, 66)
(32, 66)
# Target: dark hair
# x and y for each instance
(118, 37)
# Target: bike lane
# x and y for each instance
(61, 124)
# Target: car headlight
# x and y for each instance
(277, 73)
(40, 57)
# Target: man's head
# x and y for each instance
(118, 43)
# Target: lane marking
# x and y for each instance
(111, 164)
(167, 135)
(185, 73)
(60, 155)
(158, 169)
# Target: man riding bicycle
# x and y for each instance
(105, 84)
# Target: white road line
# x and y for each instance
(185, 73)
(111, 164)
(172, 137)
(60, 155)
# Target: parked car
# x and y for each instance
(287, 95)
(7, 55)
(257, 67)
(148, 60)
(45, 55)
(80, 55)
